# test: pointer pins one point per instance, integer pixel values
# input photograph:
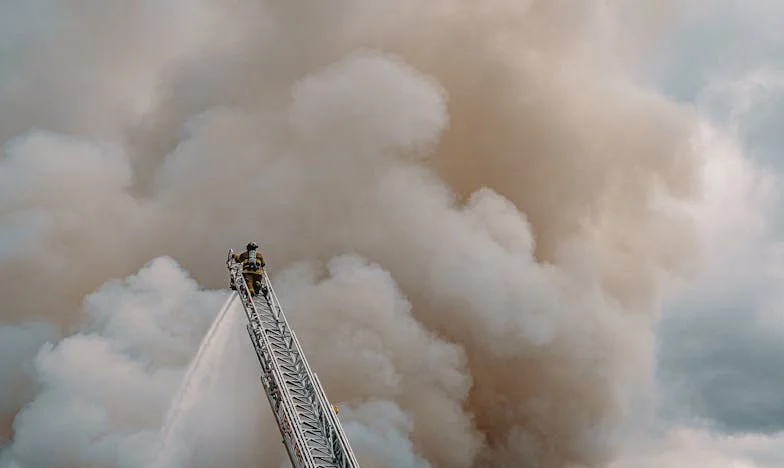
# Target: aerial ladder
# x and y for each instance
(308, 423)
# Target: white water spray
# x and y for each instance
(207, 357)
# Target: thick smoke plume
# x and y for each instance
(467, 208)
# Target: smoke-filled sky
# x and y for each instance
(537, 234)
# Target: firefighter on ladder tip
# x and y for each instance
(252, 269)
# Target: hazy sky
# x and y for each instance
(721, 340)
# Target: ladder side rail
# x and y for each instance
(296, 344)
(292, 417)
(277, 405)
(325, 409)
(277, 310)
(289, 419)
(315, 425)
(265, 359)
(349, 459)
(317, 439)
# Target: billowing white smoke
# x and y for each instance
(101, 392)
(19, 345)
(460, 207)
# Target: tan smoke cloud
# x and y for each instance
(463, 202)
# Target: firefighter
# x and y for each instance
(252, 268)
